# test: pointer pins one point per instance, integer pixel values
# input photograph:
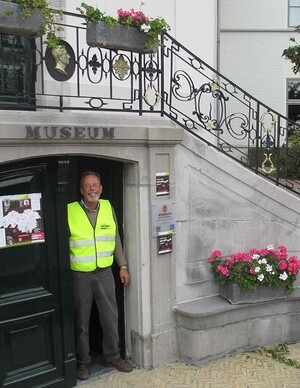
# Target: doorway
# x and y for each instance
(111, 173)
(35, 292)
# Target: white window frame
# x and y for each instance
(290, 11)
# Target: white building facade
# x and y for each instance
(171, 309)
(253, 36)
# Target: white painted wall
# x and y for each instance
(253, 35)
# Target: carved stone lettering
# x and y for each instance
(32, 132)
(66, 132)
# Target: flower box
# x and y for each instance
(99, 34)
(245, 272)
(16, 24)
(238, 295)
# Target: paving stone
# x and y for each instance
(244, 370)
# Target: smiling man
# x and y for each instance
(94, 243)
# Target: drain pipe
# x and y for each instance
(218, 36)
(218, 52)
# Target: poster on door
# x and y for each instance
(21, 220)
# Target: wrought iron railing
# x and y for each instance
(210, 106)
(173, 83)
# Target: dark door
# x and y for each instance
(36, 333)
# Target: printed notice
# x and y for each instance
(165, 243)
(163, 217)
(162, 183)
(21, 220)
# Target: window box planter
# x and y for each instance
(99, 34)
(237, 295)
(16, 24)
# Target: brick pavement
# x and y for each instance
(244, 370)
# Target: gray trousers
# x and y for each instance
(101, 287)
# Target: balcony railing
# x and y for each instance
(173, 83)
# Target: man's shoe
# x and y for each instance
(120, 364)
(83, 372)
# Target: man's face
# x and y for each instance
(64, 57)
(91, 189)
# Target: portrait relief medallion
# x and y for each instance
(60, 61)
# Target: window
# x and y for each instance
(17, 72)
(294, 13)
(293, 100)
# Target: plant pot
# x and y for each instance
(16, 24)
(99, 34)
(238, 295)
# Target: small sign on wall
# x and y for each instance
(162, 183)
(164, 241)
(163, 217)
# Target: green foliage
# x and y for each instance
(292, 53)
(157, 27)
(279, 353)
(92, 14)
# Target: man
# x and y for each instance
(94, 242)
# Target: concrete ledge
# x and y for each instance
(211, 327)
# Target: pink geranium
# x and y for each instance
(282, 265)
(267, 266)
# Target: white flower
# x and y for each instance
(269, 268)
(261, 277)
(145, 27)
(272, 273)
(270, 247)
(283, 276)
(257, 269)
(255, 256)
(262, 261)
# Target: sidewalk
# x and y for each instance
(245, 370)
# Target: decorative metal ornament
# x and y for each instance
(267, 165)
(151, 96)
(60, 61)
(121, 67)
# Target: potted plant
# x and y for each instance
(30, 18)
(130, 31)
(292, 53)
(254, 276)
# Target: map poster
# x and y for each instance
(21, 220)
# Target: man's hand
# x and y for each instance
(124, 276)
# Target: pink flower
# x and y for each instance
(293, 259)
(282, 248)
(252, 271)
(278, 255)
(223, 270)
(282, 265)
(210, 260)
(239, 256)
(264, 252)
(292, 268)
(254, 251)
(216, 254)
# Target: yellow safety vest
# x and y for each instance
(91, 248)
